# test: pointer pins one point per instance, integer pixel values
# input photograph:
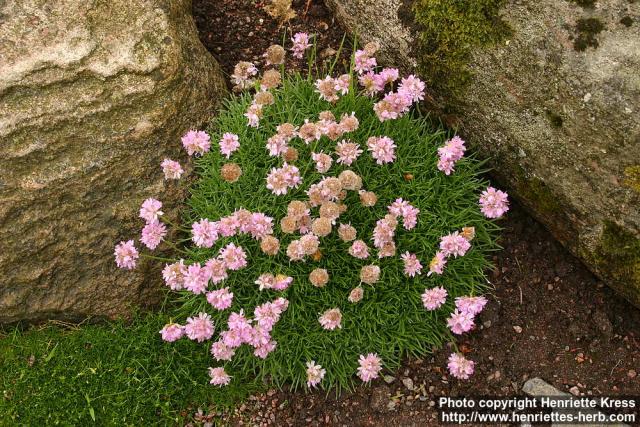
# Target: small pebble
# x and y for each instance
(518, 329)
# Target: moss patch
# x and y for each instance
(619, 254)
(449, 30)
(632, 178)
(586, 32)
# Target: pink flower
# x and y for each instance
(347, 152)
(460, 367)
(382, 149)
(371, 82)
(389, 75)
(327, 89)
(281, 179)
(315, 374)
(219, 377)
(233, 256)
(331, 319)
(263, 351)
(196, 142)
(216, 270)
(437, 263)
(205, 233)
(199, 328)
(126, 255)
(383, 233)
(300, 44)
(171, 169)
(445, 166)
(266, 315)
(408, 213)
(243, 73)
(364, 62)
(277, 145)
(451, 152)
(228, 144)
(343, 83)
(493, 203)
(220, 351)
(173, 275)
(261, 225)
(370, 367)
(282, 282)
(253, 114)
(153, 233)
(454, 244)
(195, 279)
(150, 210)
(323, 161)
(433, 298)
(471, 305)
(227, 226)
(172, 332)
(359, 249)
(460, 322)
(239, 322)
(220, 299)
(412, 264)
(412, 87)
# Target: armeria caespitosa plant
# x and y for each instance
(332, 229)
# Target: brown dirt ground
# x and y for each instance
(549, 317)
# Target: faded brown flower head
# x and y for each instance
(309, 132)
(264, 98)
(368, 198)
(349, 123)
(275, 55)
(270, 245)
(243, 216)
(321, 227)
(291, 155)
(408, 176)
(333, 185)
(270, 79)
(297, 209)
(288, 224)
(370, 274)
(388, 249)
(391, 220)
(350, 180)
(342, 195)
(468, 233)
(356, 295)
(319, 277)
(330, 210)
(286, 130)
(230, 172)
(347, 232)
(327, 116)
(371, 48)
(310, 244)
(333, 130)
(317, 256)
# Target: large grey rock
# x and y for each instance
(93, 95)
(561, 126)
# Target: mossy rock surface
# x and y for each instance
(93, 95)
(548, 91)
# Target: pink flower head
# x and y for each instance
(281, 304)
(446, 166)
(261, 225)
(409, 214)
(327, 89)
(493, 203)
(220, 299)
(253, 114)
(266, 281)
(282, 282)
(196, 142)
(460, 322)
(153, 233)
(150, 210)
(315, 374)
(412, 264)
(450, 153)
(233, 256)
(171, 169)
(219, 377)
(331, 319)
(228, 226)
(383, 233)
(238, 322)
(364, 62)
(228, 144)
(471, 305)
(382, 149)
(263, 351)
(343, 83)
(323, 161)
(370, 367)
(371, 82)
(173, 275)
(232, 338)
(454, 244)
(196, 279)
(216, 269)
(300, 44)
(460, 367)
(220, 351)
(347, 152)
(359, 249)
(437, 263)
(277, 145)
(267, 315)
(126, 255)
(412, 87)
(199, 328)
(433, 298)
(204, 233)
(389, 75)
(172, 332)
(281, 179)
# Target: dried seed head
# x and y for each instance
(356, 295)
(309, 132)
(297, 209)
(288, 224)
(270, 245)
(230, 172)
(370, 274)
(291, 155)
(264, 98)
(275, 55)
(350, 180)
(327, 116)
(321, 227)
(330, 210)
(286, 130)
(317, 256)
(368, 198)
(349, 123)
(468, 233)
(408, 176)
(295, 251)
(319, 277)
(310, 243)
(346, 232)
(333, 185)
(271, 79)
(391, 220)
(387, 249)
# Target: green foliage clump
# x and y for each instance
(449, 30)
(390, 320)
(114, 374)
